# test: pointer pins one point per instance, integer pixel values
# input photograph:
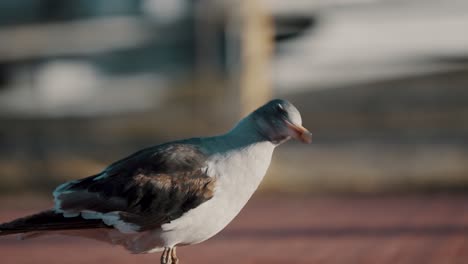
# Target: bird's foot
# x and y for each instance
(166, 257)
(175, 259)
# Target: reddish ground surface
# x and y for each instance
(415, 229)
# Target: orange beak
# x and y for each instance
(299, 132)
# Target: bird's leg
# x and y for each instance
(175, 259)
(166, 257)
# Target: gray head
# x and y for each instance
(279, 120)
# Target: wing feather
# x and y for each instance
(145, 190)
(47, 221)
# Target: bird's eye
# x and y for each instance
(279, 107)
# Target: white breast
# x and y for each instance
(238, 174)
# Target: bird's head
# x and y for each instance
(279, 120)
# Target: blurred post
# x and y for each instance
(234, 49)
(256, 40)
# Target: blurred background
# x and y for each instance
(382, 84)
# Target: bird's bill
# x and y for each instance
(299, 132)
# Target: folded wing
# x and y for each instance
(141, 192)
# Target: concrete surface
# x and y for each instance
(275, 229)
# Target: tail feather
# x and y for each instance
(48, 221)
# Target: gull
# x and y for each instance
(174, 194)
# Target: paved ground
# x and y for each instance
(272, 230)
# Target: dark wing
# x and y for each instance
(145, 190)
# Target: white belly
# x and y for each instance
(237, 180)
